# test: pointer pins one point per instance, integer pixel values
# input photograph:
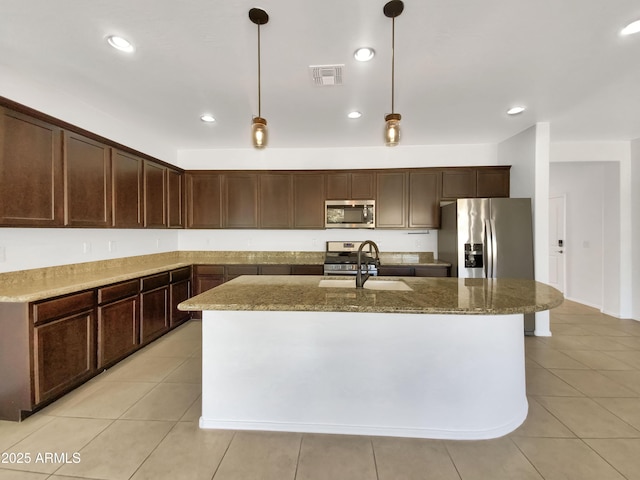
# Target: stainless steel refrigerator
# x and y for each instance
(488, 238)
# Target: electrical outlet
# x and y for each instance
(86, 247)
(112, 246)
(3, 254)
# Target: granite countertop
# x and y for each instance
(428, 295)
(41, 283)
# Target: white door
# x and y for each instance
(557, 242)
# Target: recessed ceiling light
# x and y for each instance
(120, 43)
(516, 110)
(207, 117)
(354, 114)
(633, 27)
(364, 54)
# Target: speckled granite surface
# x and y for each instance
(39, 283)
(428, 295)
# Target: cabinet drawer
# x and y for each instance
(58, 307)
(233, 271)
(209, 270)
(154, 281)
(111, 293)
(275, 270)
(307, 269)
(432, 271)
(395, 271)
(180, 274)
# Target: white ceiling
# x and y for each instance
(459, 65)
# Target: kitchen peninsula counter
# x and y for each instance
(472, 296)
(443, 360)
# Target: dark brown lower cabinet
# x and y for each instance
(179, 292)
(64, 354)
(154, 315)
(432, 271)
(307, 269)
(118, 330)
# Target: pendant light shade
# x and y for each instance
(392, 129)
(392, 126)
(259, 134)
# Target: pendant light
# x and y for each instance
(259, 134)
(392, 127)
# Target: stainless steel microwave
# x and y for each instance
(349, 213)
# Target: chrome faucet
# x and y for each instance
(360, 278)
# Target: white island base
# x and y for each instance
(409, 375)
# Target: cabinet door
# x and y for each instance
(178, 292)
(127, 190)
(458, 183)
(31, 188)
(175, 199)
(391, 201)
(204, 200)
(424, 199)
(307, 269)
(154, 317)
(276, 197)
(308, 202)
(395, 271)
(87, 182)
(240, 204)
(118, 330)
(362, 186)
(493, 181)
(432, 271)
(64, 352)
(234, 271)
(338, 186)
(155, 200)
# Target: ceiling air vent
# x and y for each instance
(326, 75)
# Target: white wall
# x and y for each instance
(584, 245)
(338, 158)
(607, 168)
(305, 240)
(635, 227)
(25, 248)
(65, 106)
(528, 154)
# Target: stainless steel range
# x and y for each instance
(341, 258)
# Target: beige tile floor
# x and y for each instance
(139, 419)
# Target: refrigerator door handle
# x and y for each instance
(488, 250)
(494, 246)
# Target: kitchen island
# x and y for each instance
(412, 357)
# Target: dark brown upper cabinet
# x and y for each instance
(175, 199)
(475, 182)
(204, 199)
(87, 182)
(31, 188)
(308, 200)
(240, 200)
(391, 200)
(350, 185)
(127, 186)
(276, 200)
(424, 199)
(155, 195)
(493, 181)
(458, 183)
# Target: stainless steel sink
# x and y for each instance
(371, 284)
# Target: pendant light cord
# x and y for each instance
(259, 93)
(393, 62)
